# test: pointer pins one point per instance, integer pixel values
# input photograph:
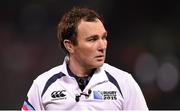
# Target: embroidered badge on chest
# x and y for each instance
(58, 94)
(105, 95)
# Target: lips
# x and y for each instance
(100, 57)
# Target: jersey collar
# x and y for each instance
(98, 77)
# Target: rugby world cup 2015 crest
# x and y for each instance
(105, 95)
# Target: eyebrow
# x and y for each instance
(104, 34)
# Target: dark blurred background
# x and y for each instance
(143, 40)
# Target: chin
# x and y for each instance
(98, 65)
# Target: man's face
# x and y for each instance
(90, 50)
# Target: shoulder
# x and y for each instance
(123, 78)
(44, 77)
(116, 72)
(40, 82)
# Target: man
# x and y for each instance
(84, 81)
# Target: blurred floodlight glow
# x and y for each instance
(167, 78)
(146, 67)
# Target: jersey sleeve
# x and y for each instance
(33, 100)
(134, 98)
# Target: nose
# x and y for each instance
(102, 45)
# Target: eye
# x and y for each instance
(92, 39)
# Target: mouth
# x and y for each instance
(100, 57)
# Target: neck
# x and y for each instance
(78, 69)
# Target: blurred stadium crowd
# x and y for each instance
(144, 40)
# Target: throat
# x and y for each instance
(78, 68)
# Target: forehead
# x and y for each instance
(90, 28)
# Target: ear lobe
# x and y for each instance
(68, 45)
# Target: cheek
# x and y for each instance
(86, 51)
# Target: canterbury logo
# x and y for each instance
(59, 94)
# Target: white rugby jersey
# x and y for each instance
(108, 89)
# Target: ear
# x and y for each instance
(68, 45)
